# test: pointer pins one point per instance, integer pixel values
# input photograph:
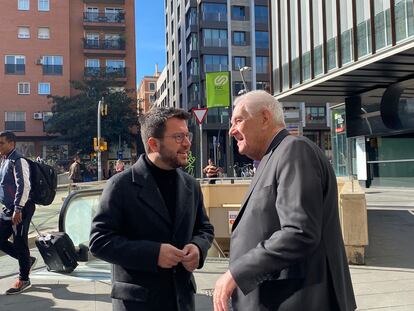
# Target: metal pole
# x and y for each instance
(99, 140)
(244, 81)
(199, 82)
(201, 150)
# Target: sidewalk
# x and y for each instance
(385, 283)
(88, 288)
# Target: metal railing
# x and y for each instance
(114, 72)
(96, 17)
(117, 44)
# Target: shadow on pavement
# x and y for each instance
(391, 239)
(29, 302)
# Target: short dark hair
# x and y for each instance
(10, 136)
(153, 122)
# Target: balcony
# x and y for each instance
(104, 47)
(95, 20)
(117, 73)
(15, 69)
(53, 70)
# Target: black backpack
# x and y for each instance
(43, 182)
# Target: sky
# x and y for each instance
(150, 36)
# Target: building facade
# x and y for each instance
(147, 92)
(210, 36)
(358, 56)
(46, 44)
(162, 90)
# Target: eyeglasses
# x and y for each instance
(179, 137)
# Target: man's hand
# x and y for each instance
(16, 218)
(191, 257)
(169, 256)
(225, 286)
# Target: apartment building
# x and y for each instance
(162, 90)
(46, 44)
(147, 91)
(221, 35)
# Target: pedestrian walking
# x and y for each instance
(17, 209)
(151, 223)
(75, 172)
(286, 250)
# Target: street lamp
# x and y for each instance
(242, 70)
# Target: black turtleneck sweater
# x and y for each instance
(167, 184)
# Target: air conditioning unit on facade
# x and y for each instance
(39, 61)
(38, 116)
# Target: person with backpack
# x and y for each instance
(17, 209)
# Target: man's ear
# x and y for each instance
(153, 144)
(266, 117)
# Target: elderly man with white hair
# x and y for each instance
(286, 251)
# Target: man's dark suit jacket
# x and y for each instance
(286, 251)
(131, 222)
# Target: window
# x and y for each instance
(262, 64)
(15, 121)
(263, 85)
(152, 86)
(215, 63)
(115, 67)
(114, 15)
(23, 5)
(261, 14)
(262, 39)
(15, 64)
(43, 88)
(52, 65)
(214, 12)
(237, 87)
(213, 38)
(315, 115)
(92, 67)
(43, 5)
(23, 32)
(238, 12)
(23, 88)
(239, 62)
(43, 33)
(239, 38)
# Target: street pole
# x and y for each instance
(199, 83)
(99, 140)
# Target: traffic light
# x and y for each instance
(104, 110)
(100, 145)
(103, 146)
(95, 144)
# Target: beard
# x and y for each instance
(172, 158)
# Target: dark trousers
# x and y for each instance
(19, 249)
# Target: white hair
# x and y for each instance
(256, 101)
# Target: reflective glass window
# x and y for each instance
(382, 23)
(317, 37)
(294, 44)
(284, 46)
(347, 38)
(363, 27)
(262, 39)
(305, 22)
(331, 33)
(404, 24)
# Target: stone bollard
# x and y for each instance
(354, 222)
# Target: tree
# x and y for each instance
(75, 118)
